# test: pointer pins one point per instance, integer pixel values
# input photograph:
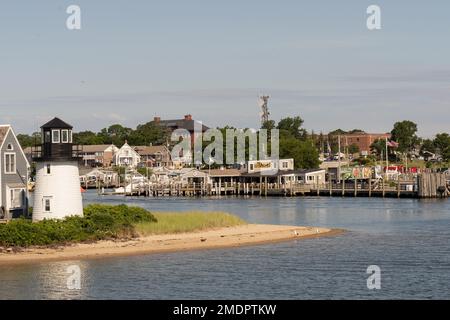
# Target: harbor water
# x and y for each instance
(407, 238)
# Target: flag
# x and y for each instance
(392, 144)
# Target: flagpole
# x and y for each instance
(387, 157)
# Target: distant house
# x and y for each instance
(220, 176)
(187, 123)
(155, 156)
(13, 175)
(307, 176)
(162, 175)
(92, 176)
(126, 157)
(261, 166)
(98, 155)
(187, 176)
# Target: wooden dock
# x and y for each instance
(429, 185)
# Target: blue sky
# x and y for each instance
(135, 60)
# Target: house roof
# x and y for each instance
(3, 131)
(223, 172)
(149, 150)
(181, 124)
(282, 173)
(96, 147)
(56, 123)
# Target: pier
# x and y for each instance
(426, 185)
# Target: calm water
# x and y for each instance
(408, 239)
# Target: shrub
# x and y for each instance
(99, 222)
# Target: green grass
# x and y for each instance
(182, 222)
(103, 222)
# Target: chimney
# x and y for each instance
(188, 117)
(157, 119)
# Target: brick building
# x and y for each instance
(362, 140)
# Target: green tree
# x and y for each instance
(378, 147)
(87, 138)
(404, 133)
(442, 143)
(292, 126)
(427, 146)
(115, 134)
(304, 153)
(268, 125)
(149, 133)
(26, 140)
(356, 131)
(353, 148)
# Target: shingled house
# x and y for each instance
(14, 169)
(155, 156)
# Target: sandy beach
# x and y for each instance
(245, 235)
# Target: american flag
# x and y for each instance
(392, 144)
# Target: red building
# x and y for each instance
(362, 140)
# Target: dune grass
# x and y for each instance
(182, 222)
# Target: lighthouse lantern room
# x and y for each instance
(57, 191)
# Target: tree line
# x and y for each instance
(295, 142)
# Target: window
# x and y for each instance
(10, 147)
(56, 136)
(47, 204)
(10, 163)
(65, 136)
(17, 196)
(285, 165)
(48, 168)
(47, 137)
(251, 167)
(310, 178)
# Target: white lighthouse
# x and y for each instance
(57, 191)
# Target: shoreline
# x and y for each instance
(239, 236)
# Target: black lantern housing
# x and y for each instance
(56, 143)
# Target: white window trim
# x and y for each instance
(43, 203)
(11, 200)
(15, 163)
(62, 136)
(70, 136)
(12, 147)
(53, 136)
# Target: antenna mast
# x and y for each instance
(264, 104)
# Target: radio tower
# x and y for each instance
(264, 104)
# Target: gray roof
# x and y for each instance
(3, 132)
(181, 124)
(95, 147)
(150, 150)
